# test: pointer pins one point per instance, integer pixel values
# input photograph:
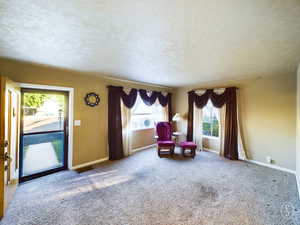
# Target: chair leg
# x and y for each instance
(158, 151)
(193, 153)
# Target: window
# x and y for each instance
(210, 120)
(144, 116)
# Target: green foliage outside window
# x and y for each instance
(35, 100)
(210, 124)
(206, 128)
(211, 129)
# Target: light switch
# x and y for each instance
(77, 123)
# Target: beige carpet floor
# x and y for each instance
(146, 190)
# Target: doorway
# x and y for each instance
(44, 132)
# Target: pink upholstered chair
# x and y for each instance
(164, 140)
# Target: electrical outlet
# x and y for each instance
(269, 159)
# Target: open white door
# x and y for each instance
(10, 99)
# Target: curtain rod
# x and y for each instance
(196, 89)
(137, 82)
(136, 88)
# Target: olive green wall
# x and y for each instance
(298, 130)
(90, 139)
(142, 138)
(268, 116)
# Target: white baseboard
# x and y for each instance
(106, 159)
(271, 166)
(211, 150)
(262, 164)
(143, 148)
(89, 163)
(298, 184)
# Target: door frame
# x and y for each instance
(70, 92)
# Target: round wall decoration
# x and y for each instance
(92, 99)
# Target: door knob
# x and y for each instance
(7, 156)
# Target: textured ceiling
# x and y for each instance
(168, 42)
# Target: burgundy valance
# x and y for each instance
(130, 99)
(228, 97)
(115, 94)
(164, 100)
(150, 100)
(218, 100)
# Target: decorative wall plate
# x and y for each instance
(92, 99)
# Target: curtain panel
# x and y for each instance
(115, 139)
(228, 97)
(115, 128)
(170, 107)
(197, 126)
(115, 120)
(126, 129)
(231, 126)
(222, 114)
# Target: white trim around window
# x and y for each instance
(210, 137)
(143, 128)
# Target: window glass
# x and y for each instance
(144, 116)
(211, 119)
(43, 112)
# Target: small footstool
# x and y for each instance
(188, 145)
